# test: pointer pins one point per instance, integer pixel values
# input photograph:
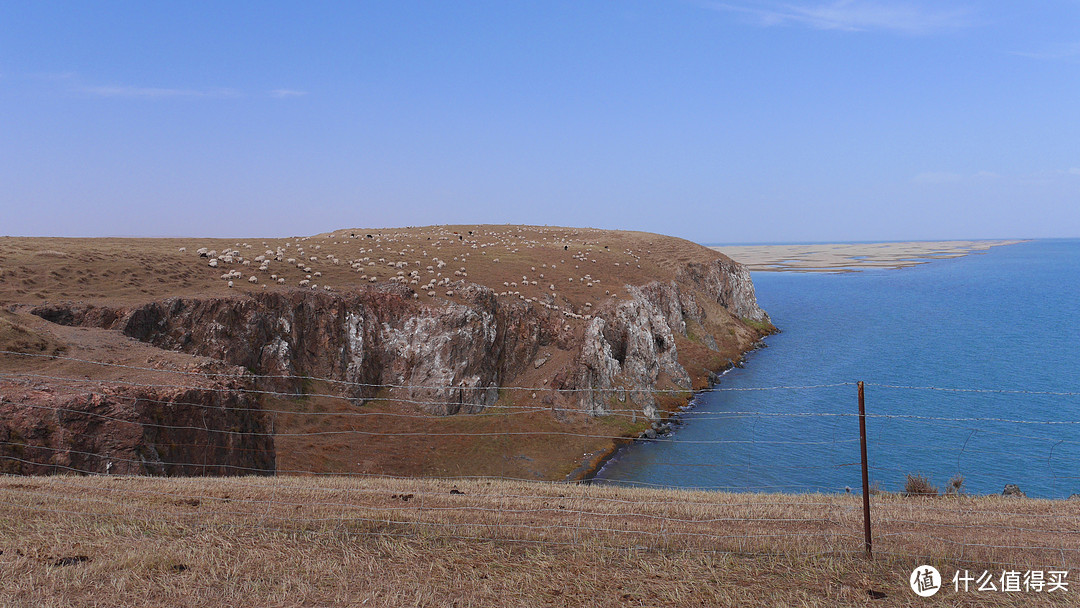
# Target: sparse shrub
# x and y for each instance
(919, 485)
(955, 486)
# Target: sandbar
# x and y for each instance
(851, 257)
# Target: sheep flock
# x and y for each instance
(568, 270)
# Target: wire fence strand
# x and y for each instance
(748, 500)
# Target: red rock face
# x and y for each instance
(364, 340)
(215, 431)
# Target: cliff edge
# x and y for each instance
(493, 350)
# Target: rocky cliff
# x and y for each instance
(451, 356)
(220, 430)
(394, 343)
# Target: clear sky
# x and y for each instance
(717, 121)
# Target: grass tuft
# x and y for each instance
(917, 484)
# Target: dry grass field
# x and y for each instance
(585, 265)
(377, 541)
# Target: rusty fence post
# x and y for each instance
(865, 473)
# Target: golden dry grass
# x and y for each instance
(377, 541)
(125, 271)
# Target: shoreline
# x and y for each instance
(587, 472)
(853, 257)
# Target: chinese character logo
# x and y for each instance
(925, 581)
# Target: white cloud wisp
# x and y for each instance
(854, 15)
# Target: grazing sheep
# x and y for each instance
(183, 249)
(253, 279)
(203, 252)
(281, 281)
(212, 263)
(230, 284)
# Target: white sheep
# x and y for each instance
(212, 263)
(253, 279)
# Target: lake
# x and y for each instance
(971, 365)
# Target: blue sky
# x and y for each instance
(717, 121)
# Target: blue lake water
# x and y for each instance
(995, 335)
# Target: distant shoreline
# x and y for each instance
(852, 257)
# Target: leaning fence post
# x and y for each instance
(865, 474)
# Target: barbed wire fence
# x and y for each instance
(804, 459)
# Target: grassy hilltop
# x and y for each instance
(553, 281)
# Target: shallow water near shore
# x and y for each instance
(994, 337)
